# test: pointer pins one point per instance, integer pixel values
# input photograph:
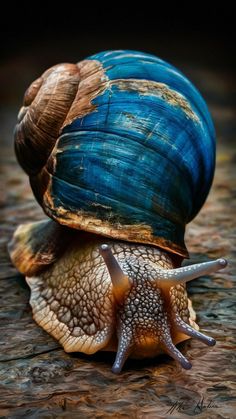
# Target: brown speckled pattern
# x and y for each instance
(179, 301)
(150, 301)
(73, 300)
(142, 317)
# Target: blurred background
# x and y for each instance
(198, 38)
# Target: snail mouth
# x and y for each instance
(148, 347)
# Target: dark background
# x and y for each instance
(195, 30)
(35, 36)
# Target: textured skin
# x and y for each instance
(178, 301)
(73, 300)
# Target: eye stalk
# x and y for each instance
(119, 280)
(172, 277)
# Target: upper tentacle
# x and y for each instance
(172, 277)
(119, 280)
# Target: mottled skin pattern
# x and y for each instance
(74, 302)
(113, 296)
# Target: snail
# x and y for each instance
(120, 153)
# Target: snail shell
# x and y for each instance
(120, 145)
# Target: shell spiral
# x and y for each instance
(120, 144)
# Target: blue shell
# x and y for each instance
(136, 162)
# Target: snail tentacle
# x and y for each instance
(119, 280)
(188, 330)
(187, 273)
(174, 352)
(124, 349)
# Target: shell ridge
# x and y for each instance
(161, 213)
(171, 70)
(160, 90)
(184, 169)
(145, 145)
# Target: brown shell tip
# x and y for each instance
(32, 91)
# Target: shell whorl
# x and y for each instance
(120, 145)
(45, 107)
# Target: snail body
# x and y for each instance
(120, 152)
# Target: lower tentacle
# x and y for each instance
(181, 326)
(174, 352)
(123, 351)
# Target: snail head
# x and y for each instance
(148, 306)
